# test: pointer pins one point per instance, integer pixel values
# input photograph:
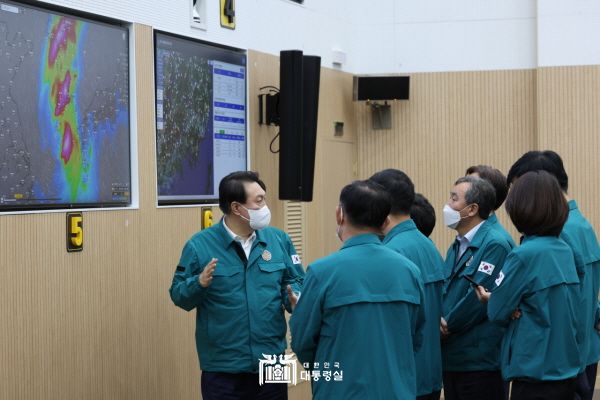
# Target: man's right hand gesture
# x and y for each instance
(206, 276)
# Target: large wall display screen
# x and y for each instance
(201, 127)
(64, 110)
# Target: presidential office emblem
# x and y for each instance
(266, 255)
(277, 369)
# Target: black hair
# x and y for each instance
(547, 160)
(400, 188)
(365, 204)
(536, 204)
(231, 188)
(423, 214)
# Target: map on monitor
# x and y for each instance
(64, 110)
(200, 117)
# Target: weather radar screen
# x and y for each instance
(64, 110)
(200, 117)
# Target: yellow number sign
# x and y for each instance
(207, 217)
(228, 14)
(74, 232)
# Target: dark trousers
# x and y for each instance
(473, 385)
(506, 389)
(543, 390)
(224, 386)
(586, 381)
(430, 396)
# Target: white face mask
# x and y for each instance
(452, 217)
(259, 219)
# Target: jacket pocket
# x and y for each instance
(269, 292)
(227, 279)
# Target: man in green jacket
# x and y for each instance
(497, 179)
(581, 238)
(402, 235)
(239, 275)
(361, 307)
(470, 342)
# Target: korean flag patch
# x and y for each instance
(500, 278)
(486, 268)
(296, 259)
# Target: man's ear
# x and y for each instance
(385, 225)
(235, 208)
(474, 210)
(339, 215)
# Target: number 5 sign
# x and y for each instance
(74, 232)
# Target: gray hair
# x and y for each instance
(480, 192)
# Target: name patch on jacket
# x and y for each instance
(296, 259)
(486, 268)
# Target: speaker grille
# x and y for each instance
(294, 225)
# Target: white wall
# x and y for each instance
(391, 36)
(264, 25)
(569, 32)
(439, 35)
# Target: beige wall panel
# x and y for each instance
(569, 123)
(263, 70)
(335, 164)
(452, 120)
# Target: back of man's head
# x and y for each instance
(365, 204)
(231, 188)
(423, 214)
(493, 176)
(400, 188)
(547, 160)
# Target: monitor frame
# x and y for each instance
(7, 209)
(213, 200)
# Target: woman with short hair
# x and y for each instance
(540, 352)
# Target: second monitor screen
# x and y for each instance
(200, 118)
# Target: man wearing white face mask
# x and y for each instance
(470, 342)
(239, 275)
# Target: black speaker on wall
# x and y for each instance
(299, 77)
(381, 88)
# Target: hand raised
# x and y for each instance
(206, 276)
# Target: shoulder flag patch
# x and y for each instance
(486, 268)
(500, 278)
(296, 259)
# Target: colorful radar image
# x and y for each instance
(64, 110)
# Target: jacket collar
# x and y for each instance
(365, 238)
(403, 226)
(572, 205)
(228, 240)
(492, 219)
